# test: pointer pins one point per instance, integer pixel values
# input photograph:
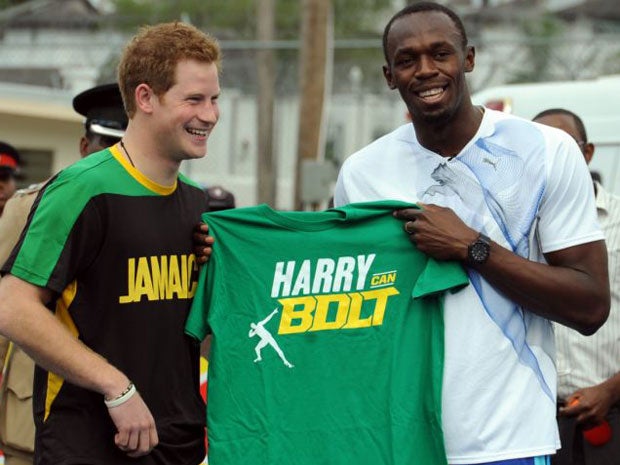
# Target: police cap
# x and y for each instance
(219, 198)
(9, 158)
(103, 108)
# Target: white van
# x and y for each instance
(596, 101)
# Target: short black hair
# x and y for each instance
(581, 128)
(422, 7)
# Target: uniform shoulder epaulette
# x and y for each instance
(31, 189)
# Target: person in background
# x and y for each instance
(9, 165)
(219, 198)
(589, 367)
(510, 199)
(105, 119)
(104, 125)
(117, 381)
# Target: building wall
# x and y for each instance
(42, 128)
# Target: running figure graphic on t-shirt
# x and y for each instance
(258, 329)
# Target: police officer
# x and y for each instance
(105, 118)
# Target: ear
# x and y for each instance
(84, 146)
(588, 152)
(144, 98)
(470, 58)
(387, 73)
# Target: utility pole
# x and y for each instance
(315, 34)
(266, 169)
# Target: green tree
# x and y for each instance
(9, 3)
(233, 22)
(541, 34)
(237, 19)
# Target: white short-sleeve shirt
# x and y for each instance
(527, 187)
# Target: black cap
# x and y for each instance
(103, 108)
(9, 157)
(219, 198)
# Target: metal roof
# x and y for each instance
(51, 14)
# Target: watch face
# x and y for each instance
(479, 252)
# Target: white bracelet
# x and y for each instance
(122, 397)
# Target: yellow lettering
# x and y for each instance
(381, 279)
(184, 277)
(174, 278)
(159, 275)
(355, 311)
(131, 273)
(192, 267)
(296, 314)
(381, 297)
(144, 283)
(161, 278)
(322, 311)
(334, 311)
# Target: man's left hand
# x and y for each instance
(202, 243)
(437, 231)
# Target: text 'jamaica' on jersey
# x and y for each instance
(163, 277)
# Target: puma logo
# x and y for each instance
(490, 162)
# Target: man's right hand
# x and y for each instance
(137, 433)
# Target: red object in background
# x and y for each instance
(204, 375)
(203, 391)
(598, 435)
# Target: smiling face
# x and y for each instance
(427, 62)
(185, 114)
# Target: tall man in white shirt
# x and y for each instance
(589, 367)
(514, 202)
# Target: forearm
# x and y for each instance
(572, 293)
(572, 288)
(26, 321)
(612, 385)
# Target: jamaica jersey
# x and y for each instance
(327, 338)
(115, 247)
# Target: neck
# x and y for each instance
(148, 161)
(449, 138)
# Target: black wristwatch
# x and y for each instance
(478, 251)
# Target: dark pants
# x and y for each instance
(577, 451)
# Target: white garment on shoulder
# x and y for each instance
(585, 361)
(527, 187)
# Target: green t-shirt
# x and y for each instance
(327, 338)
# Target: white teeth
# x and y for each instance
(431, 92)
(197, 132)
